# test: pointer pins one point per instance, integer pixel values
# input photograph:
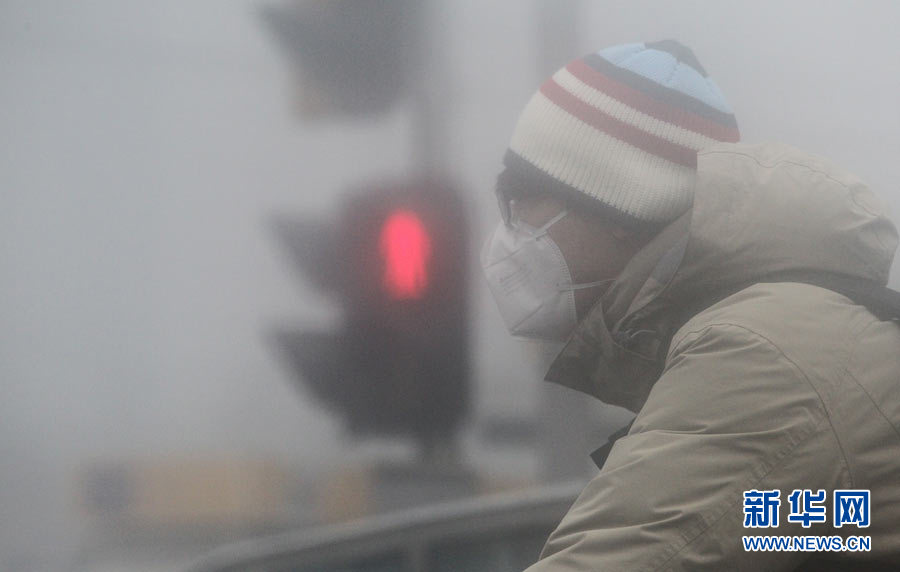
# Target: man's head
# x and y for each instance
(611, 140)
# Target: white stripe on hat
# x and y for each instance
(627, 178)
(628, 114)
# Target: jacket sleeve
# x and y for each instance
(730, 413)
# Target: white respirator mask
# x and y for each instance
(530, 281)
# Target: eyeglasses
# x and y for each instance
(511, 200)
(514, 193)
(505, 197)
(505, 203)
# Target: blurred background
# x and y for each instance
(239, 281)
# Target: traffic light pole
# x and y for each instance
(429, 147)
(430, 91)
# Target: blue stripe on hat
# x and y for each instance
(665, 69)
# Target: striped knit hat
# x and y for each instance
(623, 127)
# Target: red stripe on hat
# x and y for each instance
(650, 106)
(619, 129)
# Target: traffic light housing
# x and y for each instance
(396, 261)
(351, 57)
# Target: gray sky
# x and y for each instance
(144, 143)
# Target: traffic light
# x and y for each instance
(396, 261)
(351, 57)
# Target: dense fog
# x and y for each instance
(146, 148)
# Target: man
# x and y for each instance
(696, 282)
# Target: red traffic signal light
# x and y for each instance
(405, 248)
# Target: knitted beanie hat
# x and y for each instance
(622, 127)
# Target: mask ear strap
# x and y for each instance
(551, 222)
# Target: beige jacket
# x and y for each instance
(779, 386)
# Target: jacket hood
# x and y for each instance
(758, 210)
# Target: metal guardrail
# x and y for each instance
(409, 532)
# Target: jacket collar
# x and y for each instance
(614, 353)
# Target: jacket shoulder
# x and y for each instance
(800, 320)
(772, 155)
